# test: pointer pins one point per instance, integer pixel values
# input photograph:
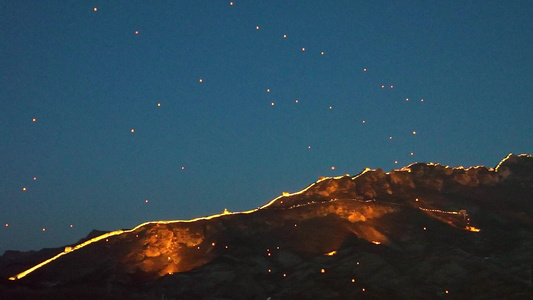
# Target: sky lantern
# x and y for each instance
(333, 168)
(24, 188)
(296, 101)
(95, 9)
(44, 229)
(303, 49)
(272, 103)
(382, 86)
(132, 130)
(158, 104)
(364, 70)
(146, 201)
(284, 36)
(201, 80)
(364, 121)
(136, 32)
(392, 86)
(322, 53)
(268, 90)
(421, 100)
(231, 3)
(7, 225)
(257, 27)
(406, 99)
(323, 271)
(34, 178)
(71, 225)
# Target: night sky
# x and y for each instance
(114, 113)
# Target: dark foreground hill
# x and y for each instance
(426, 231)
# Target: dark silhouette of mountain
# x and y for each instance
(426, 231)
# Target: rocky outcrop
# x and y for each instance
(425, 231)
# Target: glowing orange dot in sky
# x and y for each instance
(257, 27)
(231, 3)
(382, 86)
(33, 120)
(145, 201)
(44, 229)
(34, 178)
(364, 121)
(303, 49)
(158, 104)
(414, 132)
(364, 70)
(395, 161)
(323, 271)
(284, 36)
(183, 168)
(390, 137)
(333, 168)
(322, 53)
(308, 147)
(71, 225)
(268, 90)
(421, 100)
(7, 225)
(272, 103)
(412, 154)
(136, 32)
(95, 9)
(201, 80)
(391, 86)
(406, 99)
(132, 130)
(330, 107)
(296, 100)
(23, 188)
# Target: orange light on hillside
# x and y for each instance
(376, 242)
(473, 229)
(331, 253)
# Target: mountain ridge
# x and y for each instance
(418, 211)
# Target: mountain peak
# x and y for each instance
(370, 234)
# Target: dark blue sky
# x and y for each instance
(88, 79)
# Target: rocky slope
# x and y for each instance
(426, 231)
